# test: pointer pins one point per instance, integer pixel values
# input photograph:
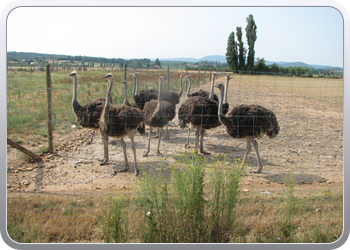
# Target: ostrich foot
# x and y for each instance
(159, 153)
(205, 152)
(137, 172)
(103, 162)
(122, 170)
(145, 154)
(187, 146)
(113, 143)
(88, 143)
(256, 171)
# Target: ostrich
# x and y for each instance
(225, 104)
(157, 115)
(249, 122)
(143, 96)
(200, 93)
(140, 129)
(119, 121)
(201, 114)
(174, 98)
(88, 115)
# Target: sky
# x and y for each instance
(313, 35)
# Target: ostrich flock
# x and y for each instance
(201, 111)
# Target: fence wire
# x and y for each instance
(70, 197)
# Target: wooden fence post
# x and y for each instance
(49, 107)
(125, 67)
(24, 150)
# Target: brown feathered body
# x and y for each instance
(88, 116)
(145, 96)
(160, 118)
(250, 121)
(198, 111)
(119, 119)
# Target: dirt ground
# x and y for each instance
(309, 144)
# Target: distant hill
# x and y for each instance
(212, 58)
(222, 59)
(301, 64)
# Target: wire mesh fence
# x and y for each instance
(180, 195)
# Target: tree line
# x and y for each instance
(28, 57)
(241, 58)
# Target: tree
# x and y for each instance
(231, 52)
(261, 65)
(157, 62)
(242, 51)
(251, 38)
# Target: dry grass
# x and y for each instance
(44, 218)
(317, 216)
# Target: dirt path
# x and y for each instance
(309, 144)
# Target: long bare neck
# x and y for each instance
(221, 97)
(137, 84)
(211, 96)
(189, 86)
(159, 106)
(109, 96)
(75, 102)
(134, 88)
(125, 94)
(181, 89)
(226, 89)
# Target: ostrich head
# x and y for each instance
(108, 76)
(219, 86)
(73, 74)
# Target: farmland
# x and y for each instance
(71, 193)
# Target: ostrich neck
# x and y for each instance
(134, 88)
(181, 89)
(137, 85)
(159, 106)
(226, 89)
(189, 87)
(212, 88)
(108, 97)
(75, 102)
(220, 102)
(125, 94)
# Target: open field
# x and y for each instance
(70, 191)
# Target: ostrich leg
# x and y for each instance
(91, 139)
(105, 150)
(126, 168)
(197, 138)
(131, 136)
(255, 146)
(248, 148)
(187, 145)
(149, 142)
(201, 149)
(160, 137)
